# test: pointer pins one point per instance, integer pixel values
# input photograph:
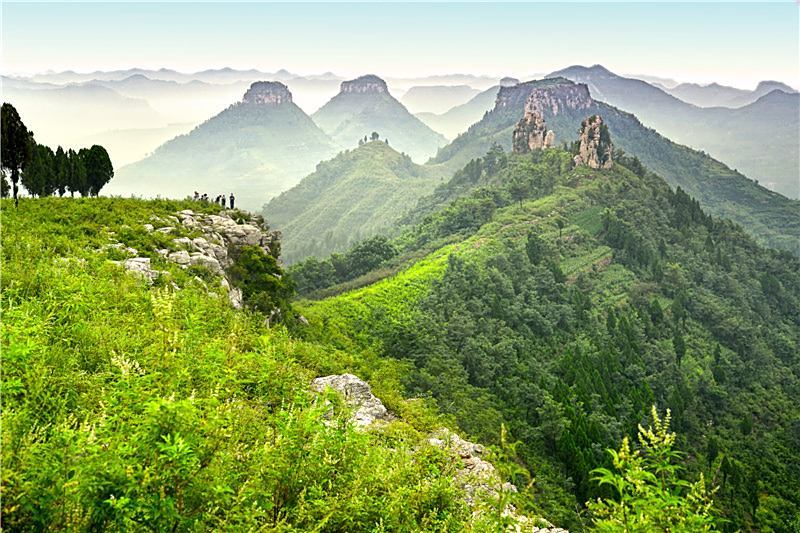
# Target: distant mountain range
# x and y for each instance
(363, 106)
(760, 139)
(255, 148)
(436, 98)
(357, 194)
(459, 118)
(716, 95)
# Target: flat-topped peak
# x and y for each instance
(272, 93)
(369, 84)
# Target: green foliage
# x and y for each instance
(262, 281)
(313, 275)
(649, 494)
(629, 295)
(16, 153)
(133, 408)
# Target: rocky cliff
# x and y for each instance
(364, 85)
(531, 132)
(550, 96)
(271, 93)
(595, 149)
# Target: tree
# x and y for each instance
(262, 281)
(536, 248)
(16, 139)
(374, 136)
(519, 189)
(76, 172)
(649, 494)
(99, 169)
(61, 171)
(40, 174)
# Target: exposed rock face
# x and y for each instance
(365, 84)
(221, 234)
(551, 98)
(358, 394)
(508, 82)
(531, 132)
(271, 93)
(595, 144)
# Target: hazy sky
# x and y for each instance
(730, 42)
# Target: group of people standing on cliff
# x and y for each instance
(218, 200)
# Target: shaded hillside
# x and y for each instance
(564, 301)
(771, 218)
(256, 149)
(357, 194)
(764, 146)
(363, 106)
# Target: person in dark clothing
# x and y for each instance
(222, 201)
(232, 199)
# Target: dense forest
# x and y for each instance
(566, 302)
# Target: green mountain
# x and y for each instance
(357, 194)
(363, 106)
(748, 138)
(255, 148)
(136, 398)
(771, 218)
(552, 304)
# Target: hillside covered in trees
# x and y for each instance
(566, 301)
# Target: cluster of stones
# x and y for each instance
(271, 93)
(595, 149)
(531, 132)
(476, 476)
(365, 84)
(220, 233)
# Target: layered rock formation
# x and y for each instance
(365, 84)
(271, 93)
(531, 132)
(357, 394)
(595, 149)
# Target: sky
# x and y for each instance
(735, 43)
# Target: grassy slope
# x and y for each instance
(358, 194)
(126, 406)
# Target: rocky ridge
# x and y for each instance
(595, 149)
(220, 235)
(477, 477)
(548, 96)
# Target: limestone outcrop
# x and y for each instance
(531, 132)
(211, 250)
(595, 149)
(508, 81)
(357, 394)
(551, 97)
(476, 477)
(270, 93)
(364, 84)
